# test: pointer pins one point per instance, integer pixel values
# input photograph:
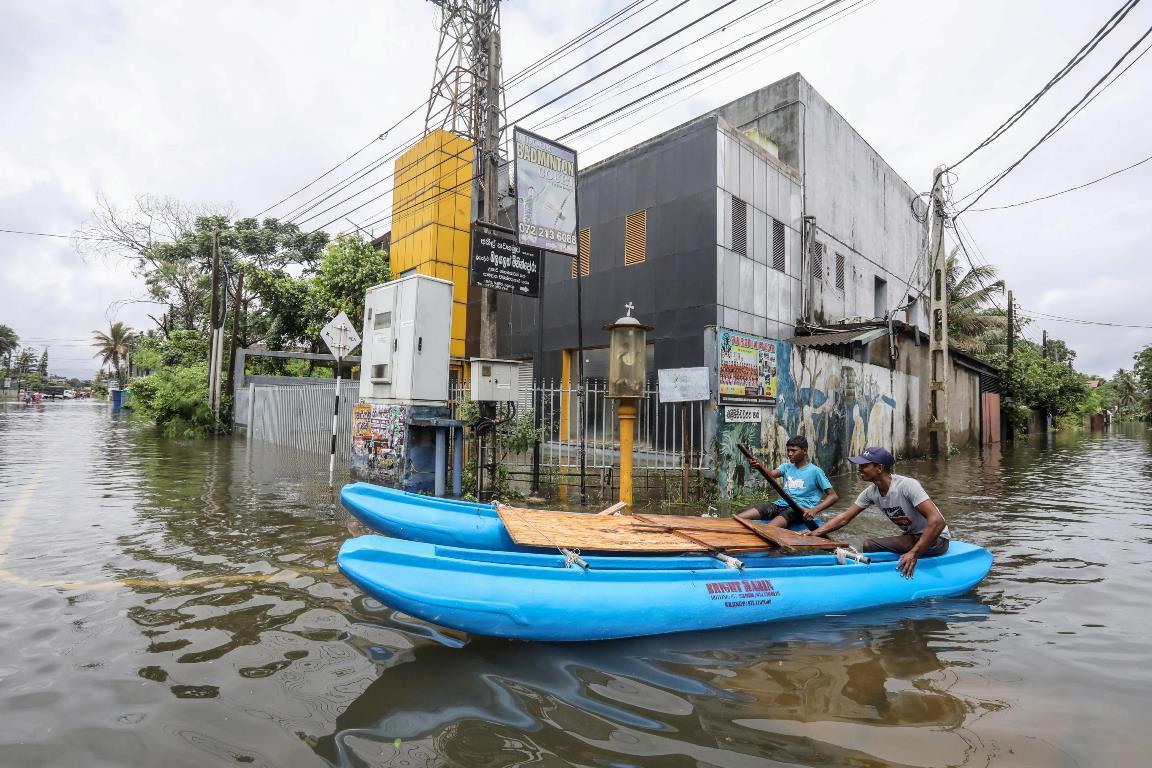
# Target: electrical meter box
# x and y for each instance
(406, 341)
(494, 380)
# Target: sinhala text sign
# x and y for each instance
(747, 368)
(505, 265)
(545, 193)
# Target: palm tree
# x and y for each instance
(1127, 391)
(113, 347)
(972, 316)
(9, 342)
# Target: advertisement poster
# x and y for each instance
(505, 265)
(747, 368)
(545, 194)
(378, 433)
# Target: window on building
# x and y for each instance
(585, 253)
(840, 270)
(739, 226)
(778, 246)
(880, 301)
(817, 260)
(635, 237)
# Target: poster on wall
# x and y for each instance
(747, 368)
(683, 385)
(545, 193)
(378, 432)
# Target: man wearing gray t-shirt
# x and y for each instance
(903, 500)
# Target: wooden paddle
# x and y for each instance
(756, 465)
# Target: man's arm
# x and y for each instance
(830, 498)
(839, 521)
(934, 524)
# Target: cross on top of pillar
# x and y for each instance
(629, 306)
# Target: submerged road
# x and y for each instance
(175, 603)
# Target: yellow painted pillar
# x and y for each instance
(565, 383)
(626, 411)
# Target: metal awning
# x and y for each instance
(854, 336)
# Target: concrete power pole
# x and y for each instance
(938, 433)
(487, 127)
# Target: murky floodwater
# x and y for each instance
(176, 604)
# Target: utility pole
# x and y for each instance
(486, 129)
(213, 312)
(1011, 361)
(938, 433)
(1044, 343)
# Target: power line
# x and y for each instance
(1061, 319)
(563, 51)
(1063, 72)
(811, 29)
(47, 234)
(1059, 123)
(1064, 191)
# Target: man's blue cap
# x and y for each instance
(874, 455)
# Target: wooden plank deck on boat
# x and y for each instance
(650, 533)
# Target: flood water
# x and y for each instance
(167, 603)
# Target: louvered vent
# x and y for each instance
(840, 270)
(585, 255)
(818, 260)
(635, 237)
(778, 246)
(739, 226)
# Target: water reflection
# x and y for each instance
(753, 691)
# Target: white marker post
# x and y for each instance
(341, 339)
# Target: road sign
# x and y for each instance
(340, 336)
(505, 265)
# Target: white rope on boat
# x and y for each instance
(571, 556)
(729, 561)
(844, 554)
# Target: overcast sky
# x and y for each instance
(237, 104)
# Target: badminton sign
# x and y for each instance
(545, 194)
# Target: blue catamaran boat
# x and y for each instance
(455, 564)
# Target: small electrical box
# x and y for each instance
(494, 380)
(406, 341)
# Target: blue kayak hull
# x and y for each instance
(430, 519)
(535, 596)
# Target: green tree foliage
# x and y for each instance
(1036, 382)
(1125, 391)
(176, 399)
(9, 343)
(974, 324)
(113, 347)
(294, 310)
(42, 366)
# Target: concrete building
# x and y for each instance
(768, 241)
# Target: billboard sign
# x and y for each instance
(505, 265)
(747, 368)
(545, 194)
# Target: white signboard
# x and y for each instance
(682, 385)
(545, 193)
(734, 414)
(340, 336)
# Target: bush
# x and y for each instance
(176, 399)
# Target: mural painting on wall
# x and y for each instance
(747, 368)
(841, 406)
(378, 433)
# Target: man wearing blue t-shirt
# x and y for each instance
(805, 482)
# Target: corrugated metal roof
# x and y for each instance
(856, 335)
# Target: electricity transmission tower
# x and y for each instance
(467, 99)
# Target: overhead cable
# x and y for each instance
(1063, 72)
